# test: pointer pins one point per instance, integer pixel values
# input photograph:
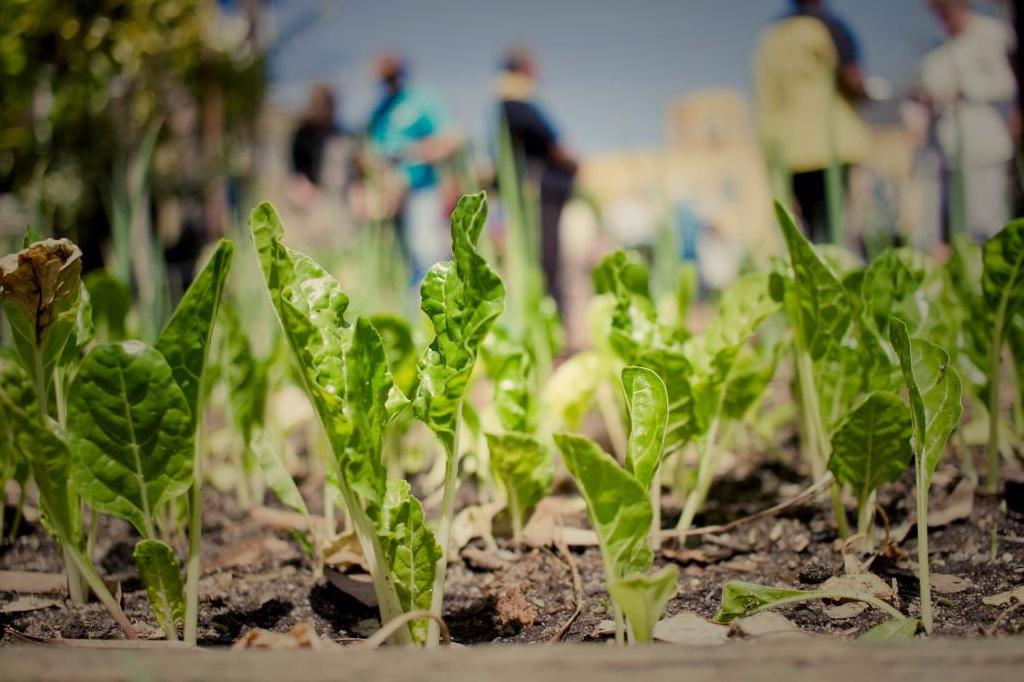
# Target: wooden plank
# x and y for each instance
(803, 661)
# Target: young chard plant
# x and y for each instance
(620, 507)
(819, 312)
(871, 447)
(1002, 286)
(934, 391)
(462, 298)
(347, 377)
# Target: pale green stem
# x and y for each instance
(74, 577)
(705, 474)
(923, 568)
(96, 584)
(654, 538)
(195, 539)
(834, 594)
(451, 482)
(865, 523)
(90, 541)
(516, 514)
(620, 624)
(994, 363)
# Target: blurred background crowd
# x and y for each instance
(144, 129)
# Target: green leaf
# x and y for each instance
(822, 307)
(643, 598)
(398, 342)
(894, 630)
(1002, 280)
(276, 475)
(246, 378)
(751, 373)
(741, 599)
(888, 284)
(569, 391)
(934, 390)
(161, 574)
(185, 341)
(412, 553)
(524, 467)
(647, 409)
(130, 432)
(619, 508)
(510, 368)
(462, 298)
(871, 446)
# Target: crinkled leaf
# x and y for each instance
(888, 286)
(311, 309)
(934, 390)
(643, 598)
(510, 368)
(1002, 280)
(822, 308)
(871, 446)
(185, 341)
(740, 599)
(398, 342)
(524, 468)
(894, 630)
(161, 574)
(647, 410)
(130, 432)
(619, 508)
(246, 378)
(411, 550)
(462, 298)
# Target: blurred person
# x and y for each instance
(321, 157)
(542, 158)
(808, 80)
(410, 130)
(968, 85)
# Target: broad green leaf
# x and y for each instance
(933, 387)
(643, 598)
(647, 409)
(129, 431)
(741, 599)
(161, 574)
(822, 307)
(894, 630)
(412, 553)
(276, 475)
(246, 378)
(524, 468)
(367, 389)
(185, 341)
(311, 309)
(749, 379)
(510, 368)
(397, 336)
(871, 446)
(888, 286)
(40, 287)
(462, 298)
(619, 508)
(1002, 280)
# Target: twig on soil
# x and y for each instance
(1004, 614)
(391, 627)
(577, 588)
(805, 495)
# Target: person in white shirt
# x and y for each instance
(969, 85)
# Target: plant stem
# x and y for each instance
(92, 578)
(451, 482)
(865, 519)
(75, 591)
(612, 421)
(195, 538)
(994, 362)
(620, 624)
(654, 539)
(705, 474)
(923, 569)
(516, 515)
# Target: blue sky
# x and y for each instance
(608, 67)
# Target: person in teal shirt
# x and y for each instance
(410, 129)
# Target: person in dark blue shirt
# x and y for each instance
(541, 157)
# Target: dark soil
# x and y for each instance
(259, 578)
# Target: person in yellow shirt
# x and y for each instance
(807, 82)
